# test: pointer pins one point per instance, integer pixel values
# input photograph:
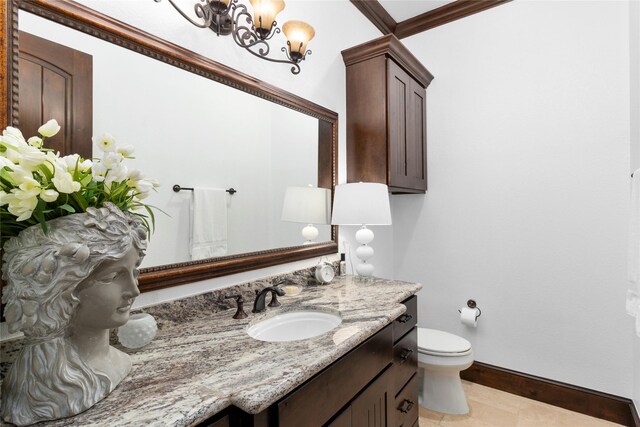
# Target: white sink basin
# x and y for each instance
(294, 325)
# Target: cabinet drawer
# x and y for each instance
(405, 411)
(405, 360)
(406, 321)
(315, 402)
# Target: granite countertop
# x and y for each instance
(202, 360)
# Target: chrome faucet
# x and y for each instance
(259, 303)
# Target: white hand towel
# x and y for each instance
(633, 295)
(208, 223)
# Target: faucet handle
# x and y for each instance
(240, 314)
(274, 297)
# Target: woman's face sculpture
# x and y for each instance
(107, 294)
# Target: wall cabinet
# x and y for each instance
(374, 385)
(386, 115)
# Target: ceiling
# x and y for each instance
(404, 18)
(401, 10)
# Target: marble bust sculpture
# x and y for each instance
(66, 289)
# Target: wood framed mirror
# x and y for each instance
(88, 21)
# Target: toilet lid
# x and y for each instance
(434, 341)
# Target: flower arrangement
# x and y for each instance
(37, 185)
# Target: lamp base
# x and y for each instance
(310, 233)
(364, 252)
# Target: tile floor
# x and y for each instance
(495, 408)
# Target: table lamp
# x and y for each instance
(307, 205)
(363, 203)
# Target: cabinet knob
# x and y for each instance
(405, 354)
(406, 406)
(405, 318)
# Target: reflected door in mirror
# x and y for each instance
(56, 83)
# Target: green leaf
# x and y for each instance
(67, 207)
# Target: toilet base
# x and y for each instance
(442, 391)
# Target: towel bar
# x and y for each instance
(177, 188)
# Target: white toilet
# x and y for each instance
(441, 357)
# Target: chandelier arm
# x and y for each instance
(295, 69)
(201, 12)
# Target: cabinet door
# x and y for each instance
(407, 130)
(373, 407)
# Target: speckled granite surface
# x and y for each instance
(202, 360)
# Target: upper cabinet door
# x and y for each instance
(407, 130)
(386, 115)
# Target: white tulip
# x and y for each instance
(117, 174)
(49, 195)
(22, 204)
(85, 165)
(126, 150)
(64, 183)
(112, 160)
(49, 129)
(135, 175)
(5, 197)
(20, 174)
(29, 187)
(71, 161)
(35, 141)
(13, 133)
(106, 142)
(32, 158)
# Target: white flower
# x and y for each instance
(64, 183)
(106, 142)
(13, 133)
(126, 150)
(23, 208)
(20, 174)
(30, 187)
(5, 198)
(6, 163)
(112, 160)
(135, 175)
(32, 157)
(98, 170)
(49, 129)
(71, 161)
(35, 141)
(22, 203)
(85, 165)
(117, 174)
(49, 195)
(12, 144)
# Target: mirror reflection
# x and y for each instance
(189, 131)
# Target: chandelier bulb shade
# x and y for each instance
(298, 35)
(252, 31)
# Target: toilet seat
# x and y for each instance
(439, 343)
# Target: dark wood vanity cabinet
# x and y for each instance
(379, 377)
(374, 385)
(386, 115)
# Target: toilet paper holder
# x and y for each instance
(472, 304)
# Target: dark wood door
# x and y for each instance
(407, 130)
(56, 82)
(372, 408)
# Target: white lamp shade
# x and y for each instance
(308, 205)
(361, 203)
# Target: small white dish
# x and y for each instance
(139, 331)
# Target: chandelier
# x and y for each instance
(229, 17)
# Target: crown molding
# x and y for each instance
(443, 15)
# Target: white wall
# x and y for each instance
(338, 25)
(634, 73)
(528, 151)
